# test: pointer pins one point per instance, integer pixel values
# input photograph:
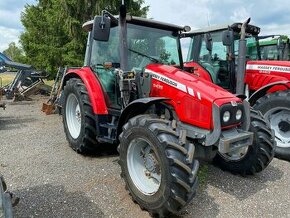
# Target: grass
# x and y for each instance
(6, 78)
(49, 82)
(202, 175)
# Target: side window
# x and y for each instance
(106, 51)
(186, 45)
(204, 54)
(218, 51)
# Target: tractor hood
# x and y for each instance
(188, 83)
(261, 73)
(192, 97)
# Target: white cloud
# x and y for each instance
(8, 35)
(240, 14)
(10, 25)
(197, 13)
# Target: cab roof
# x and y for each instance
(236, 27)
(87, 26)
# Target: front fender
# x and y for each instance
(93, 87)
(263, 91)
(137, 107)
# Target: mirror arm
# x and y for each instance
(108, 14)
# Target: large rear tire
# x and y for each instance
(157, 165)
(257, 156)
(276, 109)
(78, 118)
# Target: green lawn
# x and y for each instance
(6, 78)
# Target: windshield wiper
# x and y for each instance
(155, 60)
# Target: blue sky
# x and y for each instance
(272, 16)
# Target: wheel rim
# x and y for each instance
(73, 116)
(236, 155)
(143, 166)
(279, 119)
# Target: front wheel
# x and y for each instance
(158, 168)
(256, 157)
(78, 118)
(276, 109)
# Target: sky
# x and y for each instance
(272, 16)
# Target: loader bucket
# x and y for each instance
(48, 108)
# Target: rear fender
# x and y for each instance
(93, 87)
(281, 85)
(137, 107)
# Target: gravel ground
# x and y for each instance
(54, 181)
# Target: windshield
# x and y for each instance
(145, 45)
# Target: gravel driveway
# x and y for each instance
(54, 181)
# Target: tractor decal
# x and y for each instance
(263, 68)
(173, 83)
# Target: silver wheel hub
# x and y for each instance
(279, 119)
(73, 116)
(143, 166)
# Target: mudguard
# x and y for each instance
(263, 91)
(93, 86)
(136, 107)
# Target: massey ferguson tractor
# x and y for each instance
(218, 54)
(132, 92)
(269, 47)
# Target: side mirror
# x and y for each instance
(228, 37)
(208, 41)
(101, 28)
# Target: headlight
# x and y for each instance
(239, 114)
(226, 116)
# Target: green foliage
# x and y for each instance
(53, 35)
(14, 53)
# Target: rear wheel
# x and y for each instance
(256, 157)
(276, 109)
(157, 165)
(78, 118)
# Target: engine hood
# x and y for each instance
(189, 83)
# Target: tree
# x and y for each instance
(14, 53)
(53, 35)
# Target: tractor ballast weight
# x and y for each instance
(163, 118)
(264, 83)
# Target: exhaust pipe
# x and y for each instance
(242, 59)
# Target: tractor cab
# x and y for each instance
(269, 47)
(144, 41)
(213, 52)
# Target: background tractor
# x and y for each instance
(270, 47)
(131, 91)
(216, 54)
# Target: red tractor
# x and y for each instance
(131, 91)
(218, 54)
